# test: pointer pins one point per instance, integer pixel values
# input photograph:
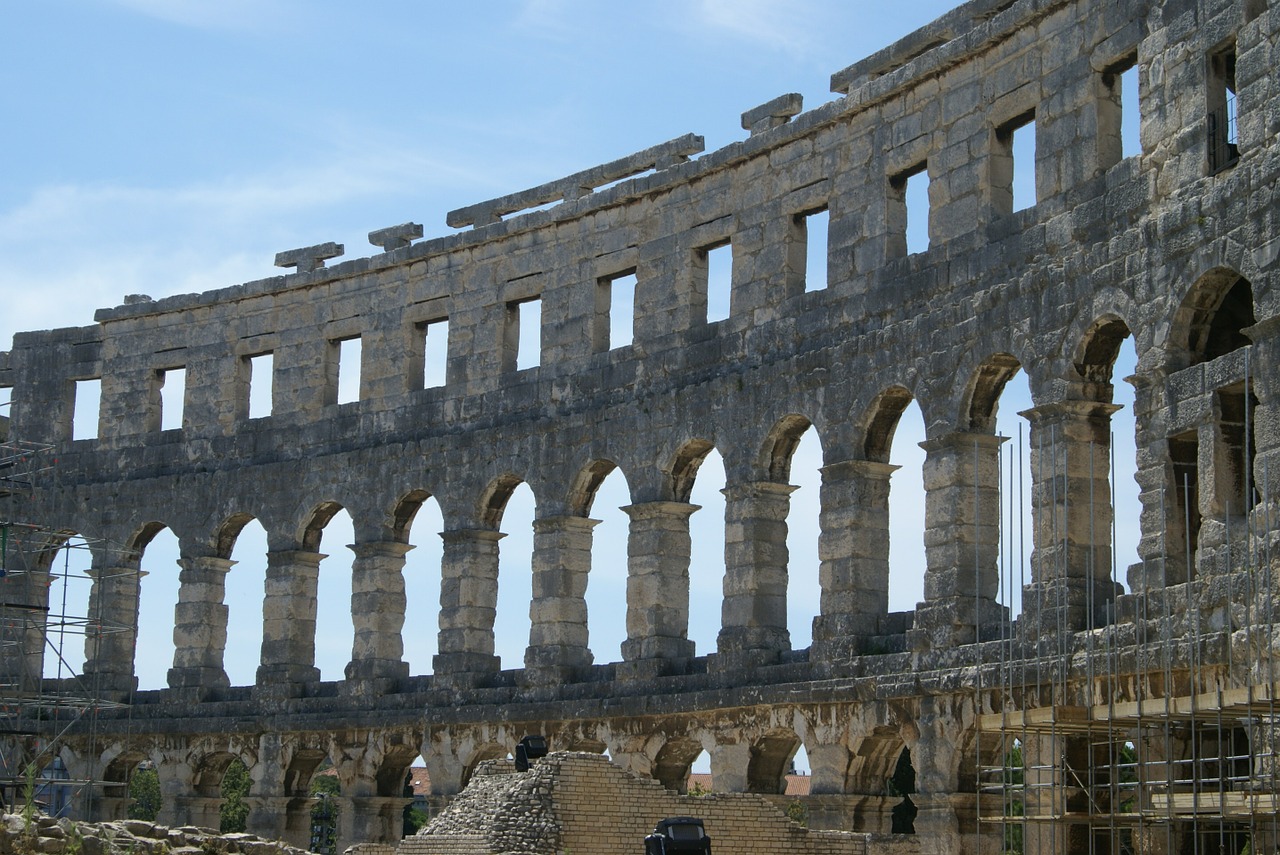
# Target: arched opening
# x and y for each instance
(233, 814)
(59, 642)
(419, 523)
(675, 762)
(700, 481)
(607, 585)
(246, 582)
(1016, 541)
(325, 788)
(329, 533)
(1209, 325)
(515, 515)
(157, 601)
(771, 761)
(417, 787)
(118, 778)
(797, 460)
(894, 435)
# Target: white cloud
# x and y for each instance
(775, 24)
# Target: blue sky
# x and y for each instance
(170, 146)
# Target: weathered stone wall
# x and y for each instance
(1175, 246)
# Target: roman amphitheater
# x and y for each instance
(1122, 709)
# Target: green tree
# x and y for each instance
(235, 810)
(324, 814)
(144, 791)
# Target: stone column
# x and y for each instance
(377, 611)
(22, 635)
(200, 625)
(468, 604)
(1264, 382)
(658, 549)
(962, 540)
(829, 763)
(276, 813)
(853, 547)
(289, 621)
(729, 764)
(754, 612)
(111, 634)
(1071, 512)
(558, 640)
(369, 819)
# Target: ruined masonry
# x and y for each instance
(1124, 709)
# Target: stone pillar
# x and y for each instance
(853, 547)
(1264, 382)
(276, 813)
(111, 633)
(729, 764)
(962, 540)
(369, 819)
(468, 604)
(289, 621)
(1162, 545)
(1056, 766)
(23, 632)
(754, 613)
(377, 611)
(1072, 513)
(658, 549)
(829, 763)
(558, 650)
(200, 625)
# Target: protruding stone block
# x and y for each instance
(396, 237)
(308, 258)
(773, 114)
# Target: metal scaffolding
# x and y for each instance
(44, 625)
(1154, 728)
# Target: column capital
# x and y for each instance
(758, 490)
(962, 440)
(653, 510)
(206, 562)
(380, 549)
(850, 469)
(294, 558)
(567, 522)
(1060, 411)
(471, 535)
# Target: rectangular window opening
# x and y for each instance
(348, 370)
(719, 261)
(1221, 121)
(525, 332)
(1184, 455)
(88, 404)
(1013, 165)
(261, 375)
(173, 393)
(615, 311)
(817, 229)
(1130, 113)
(435, 352)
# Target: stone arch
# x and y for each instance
(403, 514)
(780, 446)
(982, 394)
(208, 772)
(673, 762)
(684, 467)
(881, 422)
(224, 540)
(874, 757)
(1210, 319)
(390, 775)
(1095, 355)
(483, 752)
(302, 767)
(493, 502)
(313, 529)
(582, 493)
(770, 757)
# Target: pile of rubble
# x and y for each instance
(46, 835)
